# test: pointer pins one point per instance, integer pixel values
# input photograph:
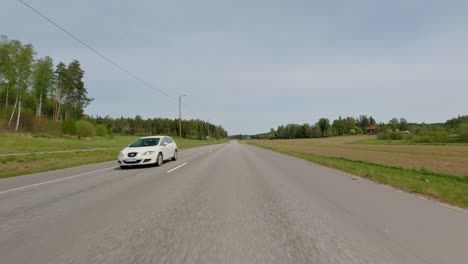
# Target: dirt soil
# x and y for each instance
(437, 158)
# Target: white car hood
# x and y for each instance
(139, 149)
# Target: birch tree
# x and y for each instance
(43, 81)
(24, 75)
(9, 51)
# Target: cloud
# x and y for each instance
(252, 65)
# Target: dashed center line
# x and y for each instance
(178, 167)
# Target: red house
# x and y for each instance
(371, 129)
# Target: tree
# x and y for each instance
(23, 66)
(272, 134)
(76, 93)
(43, 81)
(324, 125)
(338, 126)
(372, 121)
(349, 123)
(61, 82)
(9, 52)
(5, 64)
(363, 122)
(463, 131)
(404, 124)
(394, 123)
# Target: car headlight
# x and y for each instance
(121, 155)
(147, 153)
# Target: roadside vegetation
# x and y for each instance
(437, 171)
(454, 130)
(42, 109)
(45, 153)
(40, 97)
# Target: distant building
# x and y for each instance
(371, 129)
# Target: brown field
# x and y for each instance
(448, 159)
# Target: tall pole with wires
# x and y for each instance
(180, 119)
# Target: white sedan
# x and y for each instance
(148, 150)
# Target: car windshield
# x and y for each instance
(145, 142)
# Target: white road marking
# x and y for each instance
(56, 180)
(177, 167)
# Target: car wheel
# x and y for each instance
(123, 167)
(175, 155)
(159, 160)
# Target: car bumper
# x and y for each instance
(137, 161)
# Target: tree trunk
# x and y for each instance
(6, 99)
(68, 106)
(13, 112)
(58, 110)
(19, 115)
(39, 107)
(56, 104)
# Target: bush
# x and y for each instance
(84, 128)
(392, 135)
(436, 136)
(101, 131)
(463, 131)
(69, 127)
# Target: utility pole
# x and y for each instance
(180, 119)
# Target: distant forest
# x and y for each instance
(453, 130)
(39, 96)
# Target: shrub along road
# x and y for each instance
(229, 203)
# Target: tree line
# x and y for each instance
(40, 97)
(323, 127)
(454, 130)
(194, 128)
(34, 88)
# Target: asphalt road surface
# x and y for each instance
(228, 203)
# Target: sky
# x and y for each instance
(253, 65)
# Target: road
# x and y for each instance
(229, 203)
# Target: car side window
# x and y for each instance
(163, 141)
(169, 140)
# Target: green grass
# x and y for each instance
(32, 163)
(13, 143)
(27, 164)
(451, 189)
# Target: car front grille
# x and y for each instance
(132, 162)
(132, 154)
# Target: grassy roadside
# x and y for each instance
(25, 143)
(11, 166)
(20, 165)
(451, 189)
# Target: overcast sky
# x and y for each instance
(253, 65)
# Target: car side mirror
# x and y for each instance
(164, 144)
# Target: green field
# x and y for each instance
(40, 159)
(412, 173)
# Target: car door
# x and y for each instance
(166, 149)
(172, 146)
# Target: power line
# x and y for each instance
(94, 50)
(162, 91)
